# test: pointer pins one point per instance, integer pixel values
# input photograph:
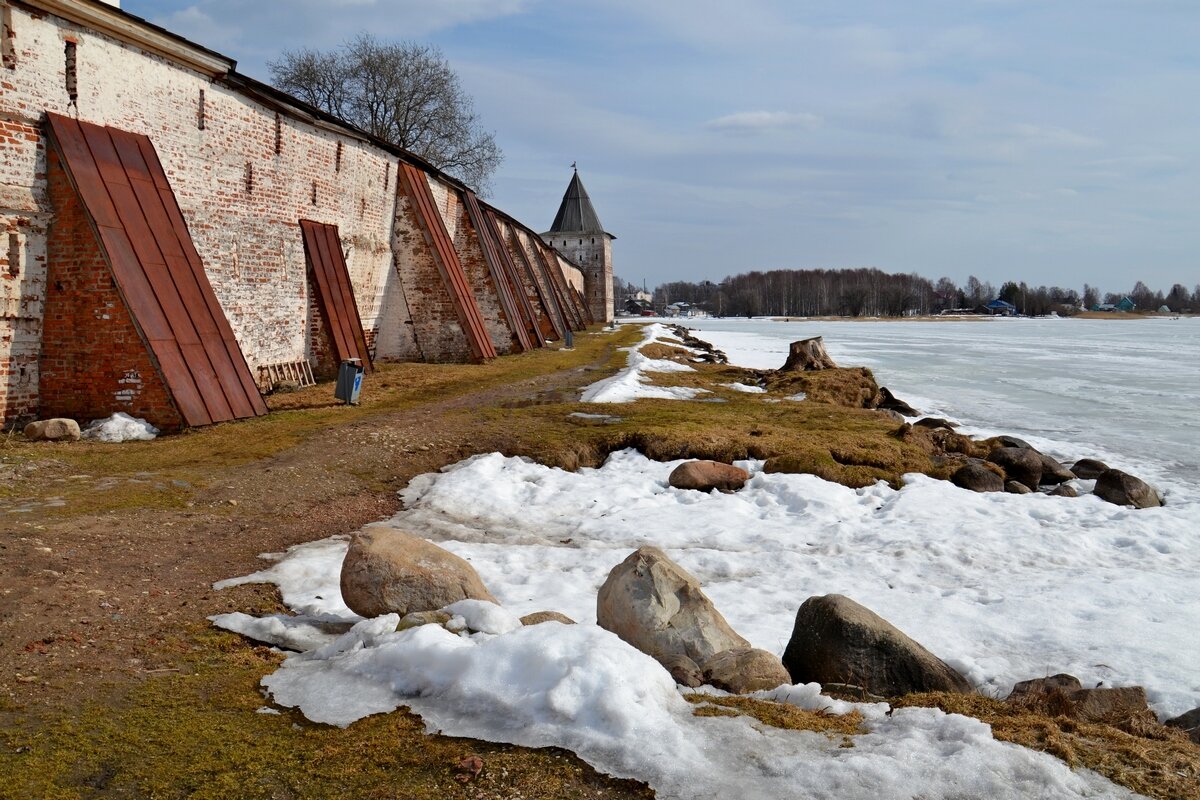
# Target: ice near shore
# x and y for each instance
(1002, 587)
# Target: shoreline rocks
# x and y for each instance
(836, 640)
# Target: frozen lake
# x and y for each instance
(1125, 391)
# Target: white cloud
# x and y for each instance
(759, 121)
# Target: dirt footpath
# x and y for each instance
(108, 554)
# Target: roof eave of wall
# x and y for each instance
(134, 30)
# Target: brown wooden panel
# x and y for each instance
(433, 228)
(491, 256)
(121, 182)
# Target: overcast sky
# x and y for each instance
(1049, 141)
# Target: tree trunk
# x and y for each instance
(806, 355)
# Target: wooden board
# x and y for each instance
(330, 279)
(157, 270)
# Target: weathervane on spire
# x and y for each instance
(574, 167)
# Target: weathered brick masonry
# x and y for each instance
(246, 164)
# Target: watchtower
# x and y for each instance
(578, 235)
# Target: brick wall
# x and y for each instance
(93, 359)
(244, 176)
(436, 331)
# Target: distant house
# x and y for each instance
(1001, 308)
(1124, 305)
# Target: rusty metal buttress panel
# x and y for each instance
(545, 293)
(528, 313)
(157, 270)
(335, 294)
(438, 239)
(498, 270)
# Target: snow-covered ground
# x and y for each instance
(1003, 587)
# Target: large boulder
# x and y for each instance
(1123, 489)
(53, 430)
(704, 476)
(1088, 469)
(836, 640)
(1011, 441)
(1020, 464)
(745, 669)
(978, 478)
(655, 605)
(389, 571)
(1054, 473)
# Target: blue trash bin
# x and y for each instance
(349, 381)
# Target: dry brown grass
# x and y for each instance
(1150, 759)
(777, 715)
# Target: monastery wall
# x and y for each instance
(245, 167)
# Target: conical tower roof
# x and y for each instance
(576, 214)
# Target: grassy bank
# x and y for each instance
(116, 686)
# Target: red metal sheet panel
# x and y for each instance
(140, 228)
(491, 255)
(554, 275)
(335, 294)
(509, 270)
(455, 280)
(341, 272)
(544, 291)
(251, 397)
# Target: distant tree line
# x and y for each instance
(872, 292)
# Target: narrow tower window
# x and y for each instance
(71, 75)
(200, 112)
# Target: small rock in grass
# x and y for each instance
(1123, 489)
(418, 618)
(1062, 682)
(538, 617)
(935, 422)
(53, 430)
(978, 478)
(683, 670)
(704, 476)
(745, 669)
(889, 401)
(836, 640)
(1188, 722)
(1088, 469)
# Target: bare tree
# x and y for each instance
(403, 92)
